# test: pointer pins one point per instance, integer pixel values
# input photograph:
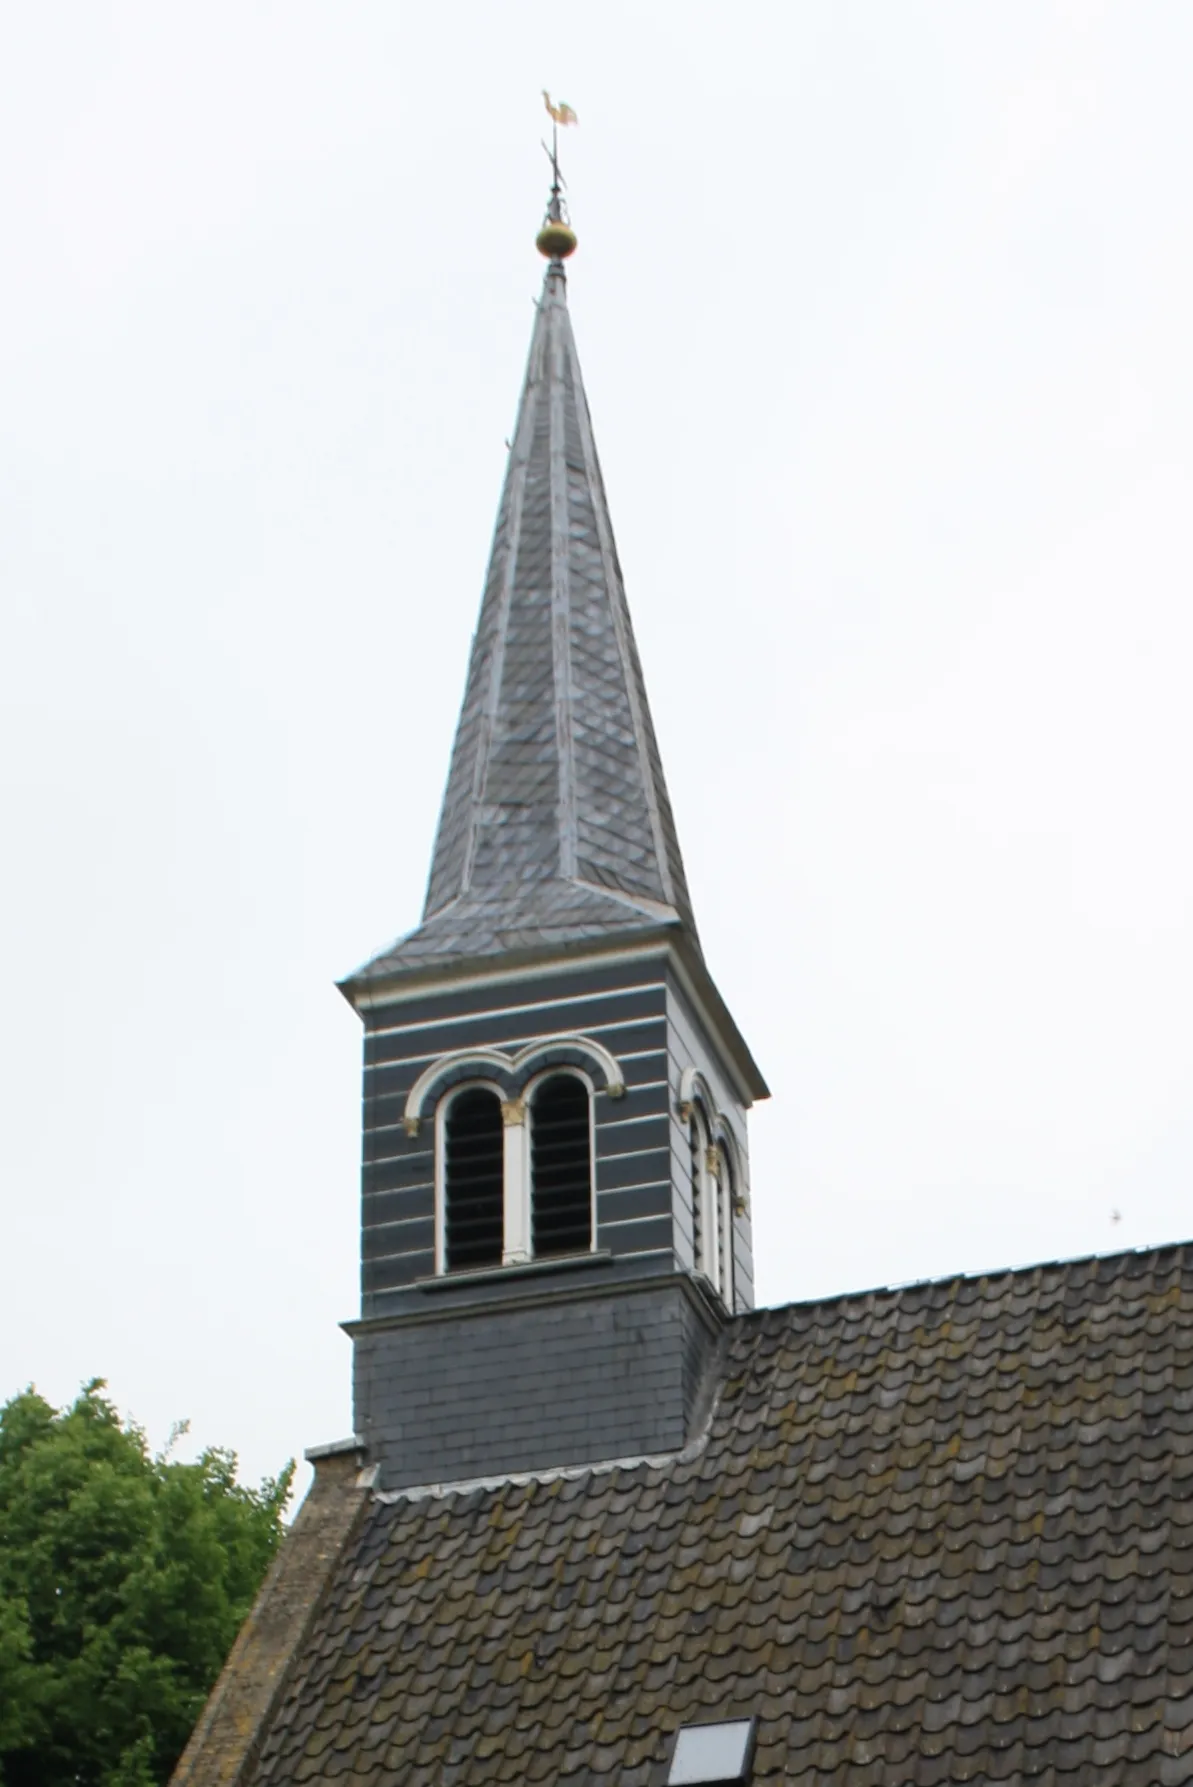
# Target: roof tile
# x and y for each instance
(955, 1546)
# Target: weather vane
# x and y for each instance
(557, 239)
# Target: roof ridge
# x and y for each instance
(1025, 1270)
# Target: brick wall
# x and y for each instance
(223, 1745)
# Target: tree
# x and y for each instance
(124, 1577)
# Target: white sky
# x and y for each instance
(885, 317)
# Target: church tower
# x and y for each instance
(556, 1213)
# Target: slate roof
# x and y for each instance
(556, 827)
(931, 1535)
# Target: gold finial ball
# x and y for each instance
(556, 240)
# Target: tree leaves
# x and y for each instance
(124, 1578)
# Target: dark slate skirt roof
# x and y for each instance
(933, 1535)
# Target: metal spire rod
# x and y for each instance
(560, 114)
(556, 239)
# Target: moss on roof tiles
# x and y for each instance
(936, 1534)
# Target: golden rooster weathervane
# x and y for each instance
(557, 239)
(562, 114)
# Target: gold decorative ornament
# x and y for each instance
(556, 240)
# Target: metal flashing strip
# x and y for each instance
(621, 1223)
(617, 1191)
(627, 652)
(520, 464)
(335, 1448)
(563, 1262)
(656, 910)
(401, 1060)
(376, 1229)
(616, 1282)
(611, 1123)
(556, 1473)
(561, 611)
(367, 996)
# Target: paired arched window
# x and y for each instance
(516, 1179)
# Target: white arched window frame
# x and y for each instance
(539, 1079)
(441, 1113)
(517, 1120)
(512, 1077)
(512, 1071)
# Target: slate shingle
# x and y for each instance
(556, 826)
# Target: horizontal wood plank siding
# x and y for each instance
(644, 1236)
(623, 1008)
(401, 1205)
(634, 1203)
(383, 1240)
(561, 986)
(639, 1066)
(623, 1022)
(395, 1272)
(642, 1158)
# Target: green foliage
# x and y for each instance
(124, 1577)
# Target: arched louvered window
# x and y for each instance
(725, 1225)
(473, 1180)
(707, 1234)
(560, 1166)
(712, 1208)
(698, 1152)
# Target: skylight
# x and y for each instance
(720, 1755)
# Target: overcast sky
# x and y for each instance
(884, 308)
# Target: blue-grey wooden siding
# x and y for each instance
(623, 1006)
(638, 1010)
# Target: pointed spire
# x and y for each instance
(556, 828)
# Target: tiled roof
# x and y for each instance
(931, 1535)
(556, 818)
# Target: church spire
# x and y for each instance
(556, 827)
(555, 1182)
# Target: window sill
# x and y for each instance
(561, 1262)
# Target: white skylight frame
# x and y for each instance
(717, 1753)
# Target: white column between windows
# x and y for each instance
(516, 1248)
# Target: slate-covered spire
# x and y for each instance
(556, 827)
